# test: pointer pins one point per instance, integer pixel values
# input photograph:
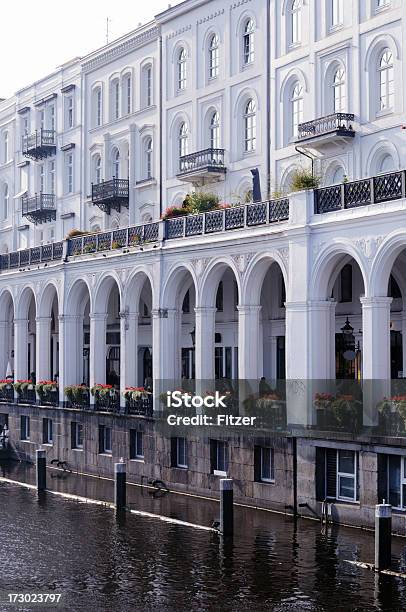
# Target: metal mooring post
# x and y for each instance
(383, 528)
(226, 506)
(41, 458)
(119, 486)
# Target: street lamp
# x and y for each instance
(348, 341)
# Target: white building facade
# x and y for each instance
(197, 99)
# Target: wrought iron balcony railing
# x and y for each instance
(39, 208)
(236, 217)
(113, 239)
(206, 163)
(339, 124)
(35, 255)
(382, 188)
(40, 144)
(111, 194)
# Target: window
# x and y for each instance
(41, 172)
(116, 163)
(179, 452)
(97, 169)
(25, 125)
(6, 202)
(296, 22)
(47, 431)
(382, 3)
(182, 69)
(69, 173)
(339, 90)
(215, 131)
(386, 164)
(296, 108)
(115, 100)
(97, 107)
(68, 112)
(183, 140)
(136, 444)
(214, 56)
(346, 284)
(24, 427)
(76, 435)
(386, 81)
(336, 474)
(42, 119)
(248, 42)
(148, 158)
(51, 176)
(127, 94)
(337, 12)
(5, 148)
(148, 85)
(105, 436)
(264, 464)
(51, 116)
(392, 480)
(218, 456)
(250, 126)
(338, 175)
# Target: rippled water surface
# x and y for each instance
(102, 562)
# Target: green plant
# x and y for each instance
(134, 240)
(74, 233)
(89, 248)
(303, 179)
(135, 393)
(200, 202)
(77, 394)
(116, 245)
(100, 391)
(20, 386)
(45, 387)
(174, 211)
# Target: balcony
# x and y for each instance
(202, 167)
(39, 145)
(336, 126)
(111, 194)
(39, 208)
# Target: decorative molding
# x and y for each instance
(242, 260)
(235, 5)
(369, 246)
(200, 265)
(283, 252)
(210, 17)
(122, 49)
(179, 31)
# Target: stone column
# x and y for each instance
(4, 348)
(204, 348)
(250, 344)
(128, 351)
(164, 343)
(70, 352)
(43, 348)
(322, 340)
(375, 354)
(97, 349)
(21, 349)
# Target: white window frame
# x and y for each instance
(221, 454)
(295, 22)
(98, 107)
(181, 75)
(248, 42)
(69, 112)
(339, 90)
(148, 153)
(250, 126)
(6, 202)
(98, 169)
(6, 149)
(49, 432)
(116, 163)
(139, 445)
(107, 435)
(214, 129)
(263, 460)
(128, 94)
(386, 81)
(181, 452)
(353, 476)
(69, 176)
(51, 176)
(296, 103)
(25, 429)
(148, 85)
(41, 178)
(214, 56)
(183, 138)
(79, 436)
(337, 13)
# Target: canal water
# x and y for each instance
(99, 561)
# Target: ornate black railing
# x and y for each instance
(80, 404)
(340, 123)
(111, 194)
(373, 190)
(7, 394)
(141, 405)
(108, 403)
(40, 144)
(211, 160)
(114, 239)
(235, 217)
(39, 208)
(27, 396)
(35, 255)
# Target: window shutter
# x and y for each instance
(331, 472)
(382, 478)
(213, 455)
(257, 463)
(174, 459)
(320, 474)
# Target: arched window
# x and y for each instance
(248, 42)
(114, 99)
(250, 126)
(148, 157)
(215, 131)
(97, 107)
(214, 57)
(5, 147)
(339, 90)
(97, 169)
(296, 102)
(338, 175)
(183, 139)
(147, 85)
(116, 163)
(146, 218)
(296, 22)
(337, 12)
(386, 164)
(127, 94)
(5, 202)
(386, 80)
(182, 69)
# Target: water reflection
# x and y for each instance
(103, 561)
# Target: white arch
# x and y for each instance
(378, 43)
(103, 289)
(174, 280)
(295, 74)
(207, 287)
(46, 298)
(377, 152)
(255, 273)
(133, 288)
(384, 261)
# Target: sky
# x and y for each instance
(37, 37)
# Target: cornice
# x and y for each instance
(121, 49)
(210, 17)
